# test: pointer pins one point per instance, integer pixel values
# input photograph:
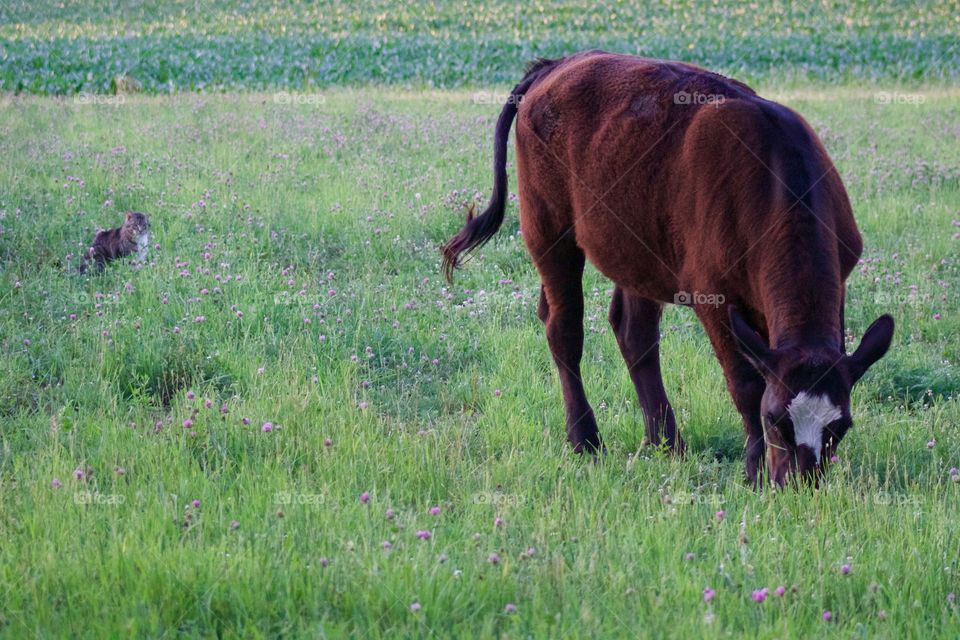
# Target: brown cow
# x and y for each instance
(683, 186)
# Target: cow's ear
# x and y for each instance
(876, 340)
(749, 343)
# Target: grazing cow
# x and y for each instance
(683, 186)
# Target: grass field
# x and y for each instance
(287, 423)
(174, 45)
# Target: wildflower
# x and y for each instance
(434, 511)
(415, 606)
(780, 591)
(196, 504)
(827, 615)
(845, 569)
(510, 608)
(760, 595)
(365, 497)
(708, 594)
(720, 515)
(267, 427)
(424, 535)
(55, 483)
(493, 559)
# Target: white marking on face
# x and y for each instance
(810, 415)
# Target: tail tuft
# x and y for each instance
(475, 233)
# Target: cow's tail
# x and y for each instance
(478, 230)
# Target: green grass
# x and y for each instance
(169, 46)
(352, 191)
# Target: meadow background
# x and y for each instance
(287, 424)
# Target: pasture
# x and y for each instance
(288, 424)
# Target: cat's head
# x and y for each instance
(137, 223)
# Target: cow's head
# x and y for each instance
(806, 404)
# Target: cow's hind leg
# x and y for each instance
(636, 323)
(561, 309)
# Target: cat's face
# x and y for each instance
(138, 223)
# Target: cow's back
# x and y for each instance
(664, 170)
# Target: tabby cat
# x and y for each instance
(111, 244)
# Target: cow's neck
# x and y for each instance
(800, 289)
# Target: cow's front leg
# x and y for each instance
(744, 382)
